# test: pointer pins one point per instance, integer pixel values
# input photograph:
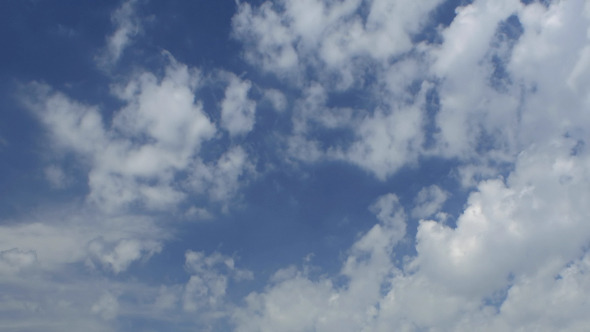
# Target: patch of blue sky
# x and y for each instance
(439, 18)
(506, 36)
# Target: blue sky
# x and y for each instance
(311, 165)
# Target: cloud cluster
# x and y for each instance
(516, 254)
(506, 84)
(477, 95)
(295, 302)
(501, 93)
(140, 156)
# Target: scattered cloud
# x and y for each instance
(498, 99)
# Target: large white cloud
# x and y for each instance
(284, 37)
(512, 89)
(144, 157)
(517, 248)
(154, 138)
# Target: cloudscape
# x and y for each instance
(295, 165)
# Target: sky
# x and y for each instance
(282, 165)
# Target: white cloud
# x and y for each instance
(429, 201)
(221, 179)
(52, 278)
(387, 141)
(470, 107)
(477, 120)
(517, 248)
(333, 47)
(237, 110)
(554, 39)
(295, 302)
(516, 258)
(118, 256)
(156, 135)
(127, 26)
(284, 37)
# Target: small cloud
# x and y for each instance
(237, 110)
(118, 257)
(429, 201)
(126, 27)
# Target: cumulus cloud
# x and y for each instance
(155, 137)
(285, 37)
(294, 301)
(511, 252)
(500, 95)
(221, 179)
(237, 110)
(520, 243)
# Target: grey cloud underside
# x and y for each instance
(503, 92)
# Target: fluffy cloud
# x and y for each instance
(500, 94)
(347, 48)
(517, 247)
(222, 178)
(429, 201)
(477, 96)
(296, 302)
(153, 139)
(237, 110)
(286, 36)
